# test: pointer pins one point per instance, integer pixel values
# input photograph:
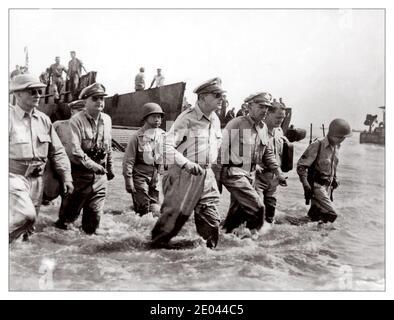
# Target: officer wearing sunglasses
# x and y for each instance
(32, 141)
(91, 159)
(190, 185)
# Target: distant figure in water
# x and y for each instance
(317, 169)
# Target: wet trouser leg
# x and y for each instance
(206, 215)
(246, 205)
(25, 199)
(94, 205)
(146, 194)
(321, 206)
(89, 195)
(182, 192)
(266, 184)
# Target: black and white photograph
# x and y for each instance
(197, 150)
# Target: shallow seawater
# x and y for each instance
(347, 255)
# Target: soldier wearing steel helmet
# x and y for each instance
(317, 169)
(141, 162)
(91, 160)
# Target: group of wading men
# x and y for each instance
(192, 161)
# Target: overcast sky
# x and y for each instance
(324, 63)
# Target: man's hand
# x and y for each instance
(282, 180)
(99, 169)
(110, 175)
(68, 188)
(193, 168)
(130, 189)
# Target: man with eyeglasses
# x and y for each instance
(191, 147)
(32, 141)
(244, 146)
(91, 160)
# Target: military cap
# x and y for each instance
(77, 104)
(263, 98)
(210, 86)
(25, 81)
(95, 89)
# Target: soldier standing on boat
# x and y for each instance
(266, 181)
(91, 160)
(56, 73)
(75, 67)
(244, 146)
(317, 171)
(141, 162)
(158, 78)
(193, 141)
(139, 81)
(32, 141)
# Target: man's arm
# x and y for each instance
(153, 81)
(129, 158)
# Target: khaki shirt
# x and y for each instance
(33, 139)
(246, 143)
(327, 162)
(63, 130)
(84, 134)
(142, 149)
(275, 141)
(193, 137)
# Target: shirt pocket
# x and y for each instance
(43, 140)
(325, 166)
(20, 146)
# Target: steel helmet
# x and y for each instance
(151, 108)
(339, 128)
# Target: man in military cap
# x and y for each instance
(244, 146)
(56, 74)
(91, 159)
(191, 147)
(141, 162)
(32, 140)
(317, 169)
(266, 182)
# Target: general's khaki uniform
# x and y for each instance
(193, 137)
(32, 140)
(244, 146)
(90, 188)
